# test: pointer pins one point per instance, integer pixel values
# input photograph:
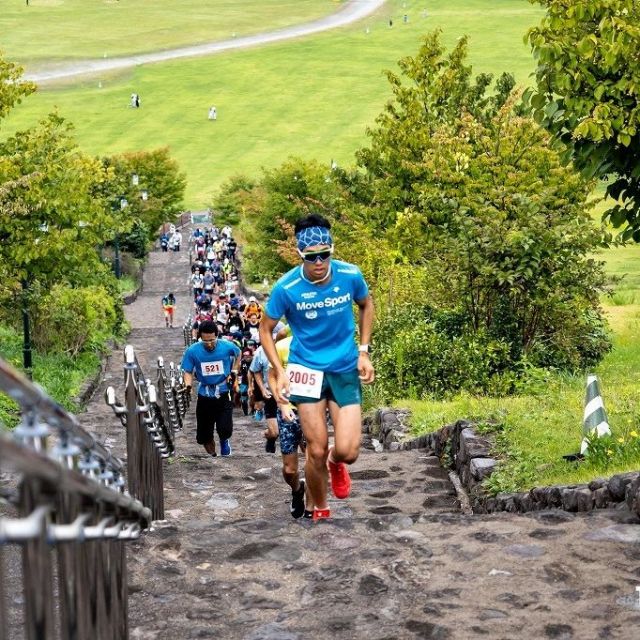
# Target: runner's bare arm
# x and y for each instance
(286, 408)
(260, 382)
(280, 389)
(365, 320)
(271, 377)
(267, 325)
(365, 325)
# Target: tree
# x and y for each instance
(461, 211)
(472, 194)
(507, 228)
(436, 89)
(269, 208)
(587, 94)
(50, 220)
(51, 217)
(154, 197)
(229, 202)
(12, 87)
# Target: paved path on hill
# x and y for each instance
(352, 11)
(398, 560)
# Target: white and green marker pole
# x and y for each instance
(595, 417)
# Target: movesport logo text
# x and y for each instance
(328, 303)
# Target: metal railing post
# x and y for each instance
(37, 574)
(69, 587)
(147, 417)
(3, 595)
(134, 458)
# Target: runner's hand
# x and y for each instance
(365, 369)
(288, 414)
(281, 391)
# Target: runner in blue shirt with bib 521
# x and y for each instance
(214, 362)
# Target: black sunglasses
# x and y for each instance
(314, 256)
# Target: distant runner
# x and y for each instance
(325, 366)
(168, 308)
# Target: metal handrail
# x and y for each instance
(151, 414)
(70, 496)
(35, 402)
(20, 459)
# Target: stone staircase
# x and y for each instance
(397, 559)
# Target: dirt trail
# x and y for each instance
(352, 11)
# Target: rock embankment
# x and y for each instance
(469, 454)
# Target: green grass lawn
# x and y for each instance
(62, 376)
(50, 31)
(312, 97)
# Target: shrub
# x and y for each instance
(71, 319)
(136, 241)
(421, 351)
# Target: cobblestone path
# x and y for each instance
(398, 560)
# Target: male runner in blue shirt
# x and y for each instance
(325, 366)
(213, 361)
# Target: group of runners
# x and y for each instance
(298, 357)
(171, 239)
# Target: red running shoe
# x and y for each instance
(321, 514)
(340, 480)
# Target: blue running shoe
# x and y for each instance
(225, 447)
(259, 415)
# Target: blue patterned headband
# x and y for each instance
(313, 236)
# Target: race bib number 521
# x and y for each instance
(212, 368)
(304, 381)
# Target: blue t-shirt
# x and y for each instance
(211, 368)
(320, 316)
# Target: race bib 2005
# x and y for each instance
(304, 381)
(212, 368)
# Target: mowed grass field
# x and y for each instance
(50, 31)
(312, 97)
